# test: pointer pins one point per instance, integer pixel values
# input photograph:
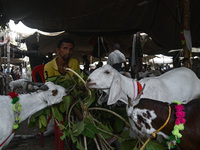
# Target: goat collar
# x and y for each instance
(174, 138)
(153, 135)
(139, 88)
(16, 108)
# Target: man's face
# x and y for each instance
(65, 50)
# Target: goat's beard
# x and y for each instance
(66, 58)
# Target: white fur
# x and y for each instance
(149, 73)
(178, 84)
(134, 113)
(31, 103)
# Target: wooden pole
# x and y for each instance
(186, 6)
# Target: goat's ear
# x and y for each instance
(115, 89)
(35, 83)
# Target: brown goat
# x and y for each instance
(147, 116)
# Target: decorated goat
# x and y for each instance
(178, 84)
(16, 108)
(181, 122)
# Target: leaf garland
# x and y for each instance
(16, 108)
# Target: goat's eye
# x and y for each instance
(107, 72)
(54, 92)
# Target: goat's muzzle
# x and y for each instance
(89, 83)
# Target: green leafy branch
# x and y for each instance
(98, 125)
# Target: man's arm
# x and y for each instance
(48, 71)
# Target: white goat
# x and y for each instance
(31, 103)
(178, 84)
(27, 87)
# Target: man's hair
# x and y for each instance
(117, 46)
(65, 40)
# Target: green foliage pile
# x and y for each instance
(99, 124)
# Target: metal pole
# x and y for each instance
(8, 66)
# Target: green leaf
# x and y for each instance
(125, 135)
(67, 100)
(89, 101)
(129, 145)
(62, 107)
(61, 80)
(32, 119)
(118, 124)
(73, 138)
(79, 146)
(40, 124)
(43, 128)
(47, 111)
(65, 133)
(31, 124)
(88, 120)
(90, 130)
(155, 145)
(43, 120)
(52, 79)
(57, 113)
(107, 129)
(37, 114)
(78, 128)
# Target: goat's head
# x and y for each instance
(53, 93)
(106, 78)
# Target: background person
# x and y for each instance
(116, 58)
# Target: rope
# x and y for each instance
(7, 138)
(153, 135)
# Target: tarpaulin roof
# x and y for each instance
(160, 19)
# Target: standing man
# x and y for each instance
(64, 60)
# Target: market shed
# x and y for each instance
(161, 20)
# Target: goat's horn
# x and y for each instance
(43, 88)
(35, 83)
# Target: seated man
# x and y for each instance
(57, 67)
(64, 60)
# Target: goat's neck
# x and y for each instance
(161, 110)
(129, 88)
(31, 103)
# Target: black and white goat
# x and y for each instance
(178, 84)
(147, 116)
(30, 103)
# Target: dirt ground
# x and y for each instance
(30, 143)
